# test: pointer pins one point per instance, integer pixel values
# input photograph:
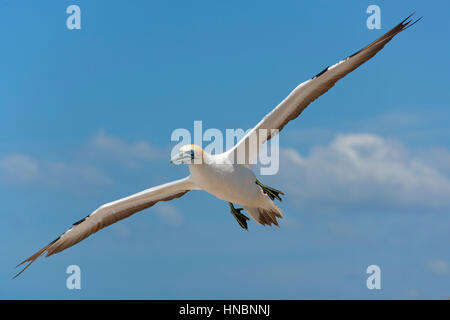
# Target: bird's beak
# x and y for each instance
(181, 157)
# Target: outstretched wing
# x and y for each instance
(110, 213)
(247, 149)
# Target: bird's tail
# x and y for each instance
(265, 216)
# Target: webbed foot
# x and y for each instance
(271, 192)
(240, 218)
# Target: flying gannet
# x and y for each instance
(221, 175)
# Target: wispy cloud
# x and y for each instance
(19, 168)
(396, 119)
(85, 169)
(169, 214)
(128, 153)
(22, 169)
(365, 170)
(439, 266)
(121, 230)
(425, 127)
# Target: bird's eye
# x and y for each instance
(192, 154)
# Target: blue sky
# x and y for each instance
(86, 118)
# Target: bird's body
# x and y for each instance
(230, 182)
(234, 183)
(220, 175)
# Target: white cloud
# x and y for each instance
(396, 119)
(121, 230)
(169, 214)
(19, 167)
(128, 153)
(22, 169)
(364, 170)
(439, 266)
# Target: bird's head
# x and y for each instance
(189, 154)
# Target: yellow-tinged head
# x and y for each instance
(189, 154)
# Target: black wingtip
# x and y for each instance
(35, 256)
(321, 72)
(408, 22)
(21, 271)
(404, 20)
(409, 25)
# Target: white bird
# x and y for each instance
(220, 174)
